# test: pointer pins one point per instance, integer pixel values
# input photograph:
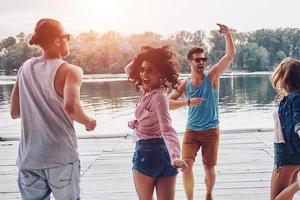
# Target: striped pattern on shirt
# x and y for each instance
(153, 121)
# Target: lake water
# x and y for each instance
(246, 102)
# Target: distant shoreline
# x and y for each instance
(127, 135)
(112, 77)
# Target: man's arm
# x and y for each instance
(71, 97)
(218, 69)
(173, 97)
(15, 101)
(174, 103)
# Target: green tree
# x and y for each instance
(217, 50)
(253, 57)
(5, 43)
(109, 52)
(280, 55)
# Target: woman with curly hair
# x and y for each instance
(157, 152)
(285, 81)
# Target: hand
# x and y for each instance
(91, 124)
(223, 29)
(181, 164)
(196, 101)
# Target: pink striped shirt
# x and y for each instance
(153, 121)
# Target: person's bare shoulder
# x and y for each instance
(72, 70)
(69, 74)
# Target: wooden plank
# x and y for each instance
(243, 172)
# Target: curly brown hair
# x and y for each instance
(286, 76)
(163, 59)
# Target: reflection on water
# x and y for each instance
(246, 93)
(246, 101)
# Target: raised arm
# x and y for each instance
(127, 67)
(218, 69)
(72, 106)
(15, 101)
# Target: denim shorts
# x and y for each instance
(282, 158)
(62, 182)
(151, 158)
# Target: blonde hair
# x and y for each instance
(286, 77)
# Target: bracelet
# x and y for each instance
(189, 102)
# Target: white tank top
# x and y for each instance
(48, 136)
(278, 136)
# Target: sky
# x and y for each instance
(137, 16)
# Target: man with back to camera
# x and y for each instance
(46, 96)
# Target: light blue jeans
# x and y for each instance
(62, 181)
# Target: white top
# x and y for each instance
(278, 136)
(48, 136)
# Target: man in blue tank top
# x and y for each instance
(202, 96)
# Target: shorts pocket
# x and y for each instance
(166, 157)
(28, 178)
(60, 177)
(145, 159)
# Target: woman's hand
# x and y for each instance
(181, 164)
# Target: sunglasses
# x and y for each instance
(67, 36)
(200, 59)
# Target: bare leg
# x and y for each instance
(188, 180)
(165, 188)
(210, 180)
(144, 186)
(281, 180)
(288, 192)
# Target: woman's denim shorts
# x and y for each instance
(151, 158)
(282, 158)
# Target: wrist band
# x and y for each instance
(189, 102)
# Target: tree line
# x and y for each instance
(258, 50)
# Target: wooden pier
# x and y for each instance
(243, 173)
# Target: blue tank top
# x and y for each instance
(206, 115)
